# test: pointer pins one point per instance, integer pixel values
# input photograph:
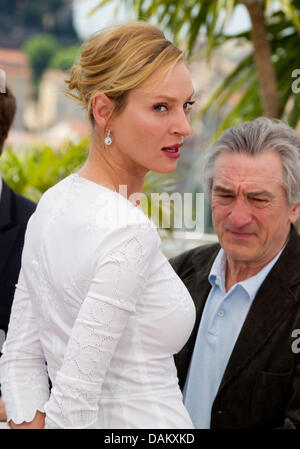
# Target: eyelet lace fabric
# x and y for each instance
(16, 381)
(86, 362)
(100, 311)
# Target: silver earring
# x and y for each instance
(108, 139)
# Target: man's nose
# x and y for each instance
(240, 214)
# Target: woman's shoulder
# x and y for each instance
(97, 209)
(112, 208)
(57, 189)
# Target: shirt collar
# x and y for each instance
(216, 276)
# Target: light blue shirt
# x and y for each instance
(222, 319)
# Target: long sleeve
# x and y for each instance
(114, 290)
(23, 373)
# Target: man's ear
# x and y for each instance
(102, 109)
(294, 212)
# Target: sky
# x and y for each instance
(86, 25)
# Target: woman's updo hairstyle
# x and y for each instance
(118, 59)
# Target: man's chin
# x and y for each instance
(242, 252)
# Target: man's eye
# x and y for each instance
(160, 107)
(224, 199)
(259, 200)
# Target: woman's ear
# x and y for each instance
(102, 109)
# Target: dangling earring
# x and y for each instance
(108, 139)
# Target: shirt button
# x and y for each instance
(217, 282)
(221, 313)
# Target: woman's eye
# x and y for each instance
(188, 105)
(160, 107)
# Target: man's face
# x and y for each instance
(251, 215)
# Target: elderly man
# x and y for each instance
(239, 368)
(15, 211)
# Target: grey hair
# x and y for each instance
(257, 136)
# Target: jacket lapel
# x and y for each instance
(8, 229)
(270, 307)
(5, 207)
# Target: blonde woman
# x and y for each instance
(97, 307)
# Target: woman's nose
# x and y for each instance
(181, 124)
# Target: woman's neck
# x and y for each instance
(105, 171)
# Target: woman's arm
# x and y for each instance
(2, 411)
(75, 393)
(114, 290)
(23, 373)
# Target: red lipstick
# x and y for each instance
(172, 151)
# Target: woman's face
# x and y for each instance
(149, 132)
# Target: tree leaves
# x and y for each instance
(188, 20)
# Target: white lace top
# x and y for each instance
(99, 309)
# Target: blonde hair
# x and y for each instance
(118, 59)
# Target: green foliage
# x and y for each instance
(284, 41)
(31, 172)
(40, 50)
(64, 58)
(162, 211)
(187, 20)
(44, 52)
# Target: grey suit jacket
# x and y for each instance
(261, 384)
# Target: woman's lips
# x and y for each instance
(172, 151)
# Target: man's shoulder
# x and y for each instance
(287, 266)
(194, 260)
(24, 205)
